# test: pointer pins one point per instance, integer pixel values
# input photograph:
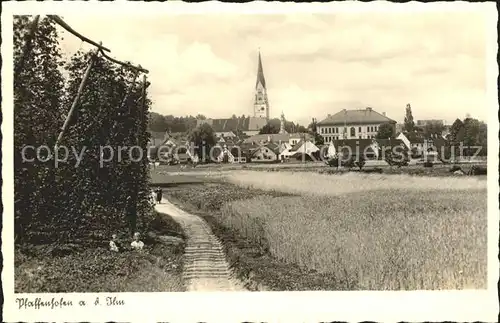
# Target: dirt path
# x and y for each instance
(205, 265)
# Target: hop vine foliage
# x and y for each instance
(108, 189)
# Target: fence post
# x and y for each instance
(75, 101)
(27, 45)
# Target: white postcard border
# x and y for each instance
(248, 306)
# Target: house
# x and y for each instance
(367, 148)
(352, 124)
(404, 139)
(243, 151)
(290, 138)
(304, 148)
(265, 153)
(329, 151)
(238, 155)
(222, 154)
(386, 146)
(225, 135)
(426, 146)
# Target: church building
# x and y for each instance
(250, 125)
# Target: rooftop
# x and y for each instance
(275, 137)
(361, 116)
(234, 124)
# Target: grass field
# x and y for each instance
(91, 267)
(168, 175)
(319, 184)
(362, 231)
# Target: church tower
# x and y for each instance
(261, 104)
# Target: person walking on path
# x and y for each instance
(159, 195)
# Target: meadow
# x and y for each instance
(87, 265)
(367, 232)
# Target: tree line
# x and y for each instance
(469, 132)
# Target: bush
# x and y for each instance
(477, 170)
(428, 164)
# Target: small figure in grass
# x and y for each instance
(114, 245)
(137, 243)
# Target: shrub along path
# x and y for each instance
(205, 265)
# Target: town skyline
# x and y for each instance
(212, 71)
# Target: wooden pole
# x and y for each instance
(136, 68)
(64, 25)
(75, 101)
(133, 215)
(141, 109)
(142, 106)
(28, 44)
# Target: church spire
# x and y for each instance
(261, 103)
(260, 74)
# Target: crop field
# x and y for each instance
(160, 172)
(365, 232)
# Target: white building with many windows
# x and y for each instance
(353, 124)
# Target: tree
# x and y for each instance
(318, 139)
(313, 125)
(157, 122)
(38, 100)
(203, 138)
(409, 124)
(471, 135)
(200, 117)
(300, 129)
(385, 131)
(456, 131)
(433, 129)
(272, 127)
(482, 140)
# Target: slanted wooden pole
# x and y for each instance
(75, 101)
(28, 44)
(64, 25)
(126, 64)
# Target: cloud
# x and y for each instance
(314, 64)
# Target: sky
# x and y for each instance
(314, 65)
